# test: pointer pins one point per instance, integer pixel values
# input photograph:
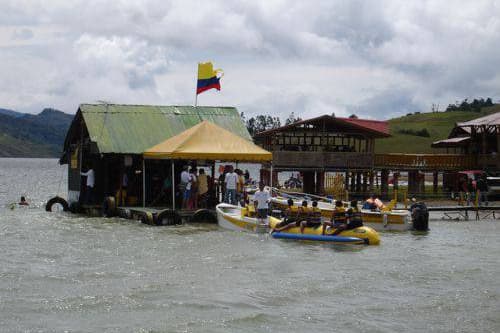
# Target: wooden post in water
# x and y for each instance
(173, 185)
(435, 181)
(358, 182)
(384, 182)
(365, 182)
(143, 182)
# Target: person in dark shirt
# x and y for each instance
(354, 219)
(482, 188)
(338, 217)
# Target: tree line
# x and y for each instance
(474, 106)
(262, 123)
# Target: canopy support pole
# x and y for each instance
(173, 185)
(143, 182)
(271, 178)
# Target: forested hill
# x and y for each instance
(27, 135)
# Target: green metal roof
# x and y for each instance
(132, 129)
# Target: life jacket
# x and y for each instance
(303, 212)
(339, 215)
(316, 215)
(355, 216)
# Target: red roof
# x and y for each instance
(375, 125)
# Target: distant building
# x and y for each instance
(478, 137)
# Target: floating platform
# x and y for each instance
(459, 212)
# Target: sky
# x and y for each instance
(377, 59)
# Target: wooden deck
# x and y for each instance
(297, 160)
(423, 162)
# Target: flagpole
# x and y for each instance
(196, 89)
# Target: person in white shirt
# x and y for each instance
(183, 186)
(191, 188)
(89, 189)
(231, 181)
(261, 201)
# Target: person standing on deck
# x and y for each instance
(183, 186)
(247, 176)
(193, 189)
(482, 188)
(240, 187)
(231, 181)
(202, 188)
(89, 188)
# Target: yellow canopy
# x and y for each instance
(207, 141)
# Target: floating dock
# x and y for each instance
(457, 212)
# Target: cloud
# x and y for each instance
(376, 59)
(136, 60)
(22, 34)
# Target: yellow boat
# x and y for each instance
(391, 219)
(241, 219)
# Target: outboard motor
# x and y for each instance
(420, 216)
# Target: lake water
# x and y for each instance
(60, 272)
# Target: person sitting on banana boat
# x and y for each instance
(313, 219)
(354, 219)
(290, 221)
(338, 217)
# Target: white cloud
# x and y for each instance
(376, 58)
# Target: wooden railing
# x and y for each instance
(347, 160)
(328, 160)
(438, 162)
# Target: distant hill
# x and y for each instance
(27, 135)
(42, 135)
(12, 113)
(437, 124)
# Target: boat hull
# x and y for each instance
(395, 220)
(229, 217)
(368, 235)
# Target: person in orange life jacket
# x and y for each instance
(292, 220)
(338, 217)
(313, 219)
(354, 219)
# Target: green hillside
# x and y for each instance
(438, 124)
(27, 135)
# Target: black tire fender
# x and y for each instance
(168, 217)
(109, 207)
(56, 200)
(204, 216)
(148, 218)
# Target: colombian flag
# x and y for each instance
(208, 78)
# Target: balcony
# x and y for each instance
(322, 160)
(431, 162)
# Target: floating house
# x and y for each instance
(137, 146)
